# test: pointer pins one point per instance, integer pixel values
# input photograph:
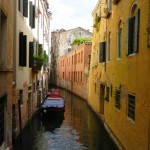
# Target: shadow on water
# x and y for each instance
(52, 121)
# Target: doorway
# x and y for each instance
(102, 92)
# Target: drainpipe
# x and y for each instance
(148, 29)
(149, 136)
(106, 45)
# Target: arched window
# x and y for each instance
(133, 30)
(119, 36)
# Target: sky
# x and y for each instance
(69, 14)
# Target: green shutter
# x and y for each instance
(25, 8)
(102, 52)
(20, 48)
(24, 50)
(33, 13)
(40, 49)
(31, 52)
(136, 34)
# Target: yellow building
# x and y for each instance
(120, 68)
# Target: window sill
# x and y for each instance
(118, 59)
(131, 55)
(130, 120)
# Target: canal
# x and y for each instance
(77, 129)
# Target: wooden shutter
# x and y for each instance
(31, 15)
(119, 42)
(20, 4)
(40, 49)
(31, 52)
(25, 8)
(130, 36)
(24, 50)
(20, 48)
(136, 34)
(102, 52)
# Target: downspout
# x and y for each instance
(106, 45)
(148, 29)
(149, 136)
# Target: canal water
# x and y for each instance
(77, 129)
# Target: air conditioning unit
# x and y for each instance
(115, 1)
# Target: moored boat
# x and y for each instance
(53, 103)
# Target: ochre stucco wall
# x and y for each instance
(130, 74)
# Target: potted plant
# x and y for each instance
(39, 60)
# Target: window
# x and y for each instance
(107, 94)
(81, 56)
(119, 35)
(109, 46)
(69, 61)
(22, 49)
(133, 31)
(32, 16)
(3, 40)
(74, 59)
(102, 51)
(117, 99)
(23, 7)
(131, 106)
(31, 52)
(89, 60)
(21, 97)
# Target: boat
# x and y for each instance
(53, 103)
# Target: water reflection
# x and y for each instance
(52, 121)
(76, 129)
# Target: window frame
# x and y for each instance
(131, 116)
(133, 28)
(118, 99)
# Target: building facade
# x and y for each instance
(118, 84)
(6, 72)
(61, 45)
(32, 22)
(74, 70)
(24, 34)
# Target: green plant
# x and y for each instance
(39, 59)
(79, 41)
